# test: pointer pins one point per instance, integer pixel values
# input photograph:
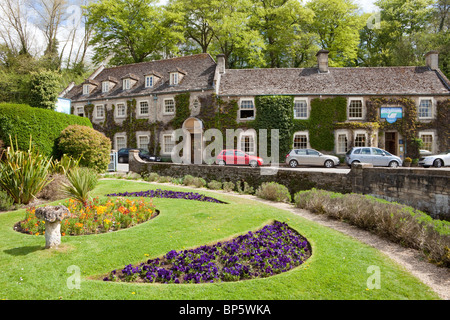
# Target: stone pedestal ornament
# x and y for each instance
(52, 215)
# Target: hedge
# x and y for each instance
(44, 126)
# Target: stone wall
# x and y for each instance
(424, 189)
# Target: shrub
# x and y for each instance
(6, 202)
(92, 147)
(396, 222)
(63, 165)
(81, 182)
(54, 190)
(215, 185)
(151, 177)
(165, 179)
(228, 186)
(247, 189)
(23, 174)
(44, 89)
(188, 180)
(199, 182)
(273, 191)
(22, 121)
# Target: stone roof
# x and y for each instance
(338, 81)
(199, 71)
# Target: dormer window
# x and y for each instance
(173, 78)
(105, 86)
(85, 89)
(126, 84)
(149, 81)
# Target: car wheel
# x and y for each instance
(393, 164)
(253, 164)
(293, 163)
(437, 163)
(329, 164)
(222, 163)
(355, 162)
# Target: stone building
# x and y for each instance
(388, 107)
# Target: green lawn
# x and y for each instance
(336, 270)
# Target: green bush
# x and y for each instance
(151, 177)
(82, 181)
(273, 191)
(188, 180)
(23, 173)
(22, 121)
(247, 189)
(228, 186)
(6, 202)
(215, 185)
(396, 222)
(92, 147)
(44, 89)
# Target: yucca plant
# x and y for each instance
(81, 182)
(23, 173)
(64, 164)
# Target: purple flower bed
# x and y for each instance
(167, 194)
(274, 249)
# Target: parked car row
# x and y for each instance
(123, 155)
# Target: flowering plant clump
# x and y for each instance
(274, 249)
(167, 194)
(95, 216)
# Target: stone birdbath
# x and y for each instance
(52, 215)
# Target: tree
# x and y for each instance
(130, 30)
(337, 24)
(44, 89)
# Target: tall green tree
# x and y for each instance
(130, 31)
(44, 89)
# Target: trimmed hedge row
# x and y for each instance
(44, 126)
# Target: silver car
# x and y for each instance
(376, 156)
(310, 157)
(437, 161)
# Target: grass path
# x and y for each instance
(338, 268)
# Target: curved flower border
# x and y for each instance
(168, 194)
(274, 249)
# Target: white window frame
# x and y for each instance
(306, 100)
(139, 141)
(174, 78)
(363, 112)
(97, 110)
(126, 84)
(366, 138)
(124, 109)
(140, 108)
(117, 143)
(301, 133)
(77, 110)
(86, 89)
(165, 105)
(431, 108)
(164, 146)
(251, 134)
(433, 139)
(149, 81)
(105, 86)
(253, 108)
(338, 150)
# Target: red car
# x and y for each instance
(238, 157)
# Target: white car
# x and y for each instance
(437, 161)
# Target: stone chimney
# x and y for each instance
(322, 60)
(221, 63)
(432, 60)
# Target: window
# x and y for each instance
(143, 142)
(247, 109)
(342, 143)
(85, 89)
(121, 142)
(300, 141)
(174, 78)
(248, 144)
(121, 110)
(168, 143)
(378, 152)
(360, 140)
(365, 151)
(355, 109)
(427, 140)
(313, 152)
(100, 112)
(149, 81)
(169, 106)
(425, 108)
(105, 86)
(196, 104)
(80, 111)
(126, 84)
(300, 109)
(143, 108)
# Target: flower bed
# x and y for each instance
(94, 217)
(167, 194)
(274, 249)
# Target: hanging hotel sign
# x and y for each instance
(391, 114)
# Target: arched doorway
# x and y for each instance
(195, 128)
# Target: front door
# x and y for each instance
(390, 142)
